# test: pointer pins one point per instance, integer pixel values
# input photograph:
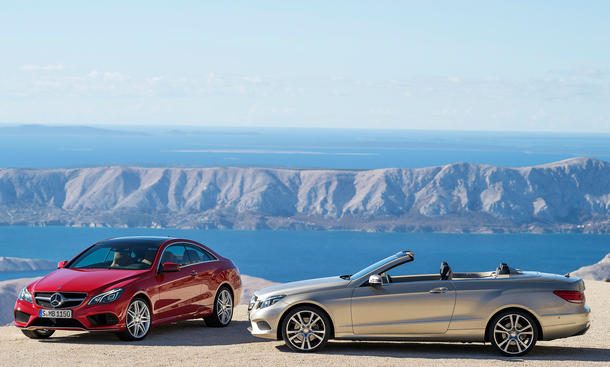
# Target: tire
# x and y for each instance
(306, 329)
(223, 308)
(38, 334)
(513, 333)
(137, 320)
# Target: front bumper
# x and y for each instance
(264, 323)
(100, 317)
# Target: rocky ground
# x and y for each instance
(190, 343)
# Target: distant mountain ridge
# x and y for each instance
(567, 196)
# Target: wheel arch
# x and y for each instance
(226, 285)
(516, 308)
(145, 297)
(300, 304)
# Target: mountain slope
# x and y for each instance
(20, 264)
(597, 271)
(571, 195)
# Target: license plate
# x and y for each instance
(56, 314)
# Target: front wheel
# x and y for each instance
(223, 309)
(306, 329)
(513, 333)
(137, 321)
(38, 334)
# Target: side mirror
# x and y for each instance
(375, 280)
(62, 264)
(170, 268)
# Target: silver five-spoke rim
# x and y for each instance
(138, 319)
(224, 307)
(513, 334)
(305, 330)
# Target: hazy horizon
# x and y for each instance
(162, 127)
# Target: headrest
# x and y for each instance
(446, 272)
(122, 258)
(502, 269)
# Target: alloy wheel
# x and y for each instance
(224, 307)
(513, 334)
(138, 319)
(305, 330)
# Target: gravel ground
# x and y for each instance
(191, 343)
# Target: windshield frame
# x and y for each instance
(389, 262)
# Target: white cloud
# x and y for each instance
(108, 75)
(253, 79)
(55, 67)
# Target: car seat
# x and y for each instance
(446, 272)
(502, 269)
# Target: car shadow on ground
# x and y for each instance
(183, 333)
(458, 351)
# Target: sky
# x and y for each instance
(450, 65)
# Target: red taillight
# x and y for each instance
(571, 296)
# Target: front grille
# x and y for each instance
(22, 317)
(69, 299)
(103, 319)
(48, 322)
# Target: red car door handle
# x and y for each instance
(194, 272)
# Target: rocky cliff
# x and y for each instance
(566, 196)
(597, 271)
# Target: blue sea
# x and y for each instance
(292, 255)
(45, 147)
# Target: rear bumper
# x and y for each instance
(105, 317)
(583, 331)
(565, 325)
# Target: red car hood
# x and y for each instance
(83, 280)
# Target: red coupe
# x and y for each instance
(126, 285)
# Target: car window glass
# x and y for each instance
(175, 254)
(98, 257)
(373, 267)
(126, 255)
(402, 269)
(197, 254)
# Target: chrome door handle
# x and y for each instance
(438, 290)
(194, 272)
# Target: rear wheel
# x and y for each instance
(513, 333)
(38, 334)
(223, 309)
(305, 329)
(137, 321)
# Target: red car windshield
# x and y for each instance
(128, 256)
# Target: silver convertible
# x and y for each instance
(509, 308)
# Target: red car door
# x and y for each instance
(205, 264)
(177, 292)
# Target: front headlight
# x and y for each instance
(271, 300)
(106, 297)
(252, 302)
(25, 295)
